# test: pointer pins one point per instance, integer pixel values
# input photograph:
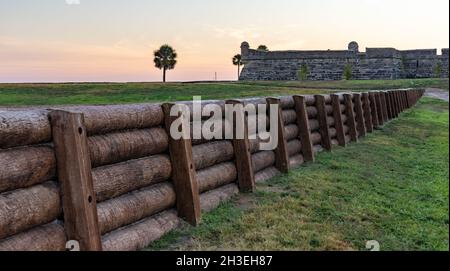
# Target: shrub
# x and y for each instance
(347, 71)
(438, 70)
(303, 72)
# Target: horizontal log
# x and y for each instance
(318, 148)
(20, 128)
(287, 102)
(334, 142)
(112, 118)
(291, 132)
(294, 147)
(118, 179)
(213, 153)
(216, 176)
(24, 209)
(262, 160)
(130, 208)
(312, 112)
(296, 161)
(343, 108)
(289, 116)
(118, 147)
(141, 234)
(333, 132)
(212, 199)
(314, 125)
(344, 119)
(310, 100)
(348, 139)
(346, 129)
(330, 121)
(266, 174)
(329, 110)
(316, 138)
(49, 237)
(25, 167)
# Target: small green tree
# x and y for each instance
(303, 72)
(347, 71)
(165, 59)
(438, 70)
(263, 48)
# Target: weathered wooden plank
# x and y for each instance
(322, 118)
(351, 122)
(367, 112)
(338, 122)
(359, 115)
(281, 152)
(183, 173)
(74, 174)
(374, 109)
(304, 128)
(242, 154)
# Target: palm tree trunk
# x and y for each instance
(239, 71)
(164, 74)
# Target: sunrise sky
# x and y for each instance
(113, 40)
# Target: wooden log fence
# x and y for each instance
(111, 177)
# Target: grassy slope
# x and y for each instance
(391, 187)
(110, 93)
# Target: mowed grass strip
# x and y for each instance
(120, 93)
(392, 187)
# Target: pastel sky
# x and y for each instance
(113, 40)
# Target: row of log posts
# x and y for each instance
(368, 111)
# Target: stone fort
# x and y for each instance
(374, 63)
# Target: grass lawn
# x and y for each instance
(115, 93)
(359, 84)
(392, 187)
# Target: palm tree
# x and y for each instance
(165, 59)
(263, 48)
(237, 61)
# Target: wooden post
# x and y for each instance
(361, 125)
(388, 105)
(339, 124)
(323, 123)
(351, 117)
(183, 174)
(379, 108)
(384, 105)
(281, 152)
(367, 112)
(396, 104)
(243, 156)
(405, 94)
(392, 102)
(75, 176)
(304, 129)
(374, 110)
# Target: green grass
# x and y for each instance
(359, 84)
(117, 93)
(393, 187)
